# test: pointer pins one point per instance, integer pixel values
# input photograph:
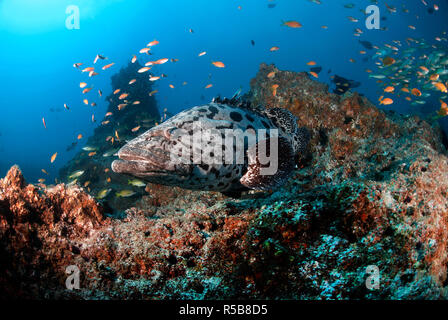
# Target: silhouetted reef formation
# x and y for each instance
(372, 190)
(112, 134)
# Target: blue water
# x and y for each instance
(37, 53)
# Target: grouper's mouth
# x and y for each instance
(143, 163)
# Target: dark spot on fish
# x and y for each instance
(236, 116)
(204, 166)
(214, 171)
(249, 117)
(213, 109)
(265, 124)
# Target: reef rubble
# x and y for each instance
(371, 191)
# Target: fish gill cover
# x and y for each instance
(357, 91)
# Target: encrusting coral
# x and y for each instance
(371, 190)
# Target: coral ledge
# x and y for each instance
(371, 190)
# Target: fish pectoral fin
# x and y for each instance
(271, 163)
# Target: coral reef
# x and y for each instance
(371, 190)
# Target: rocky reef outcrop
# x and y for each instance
(371, 191)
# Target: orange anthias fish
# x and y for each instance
(123, 96)
(387, 101)
(45, 124)
(416, 92)
(388, 61)
(145, 50)
(153, 43)
(161, 61)
(274, 89)
(107, 66)
(144, 69)
(292, 24)
(53, 157)
(218, 64)
(89, 69)
(274, 49)
(440, 86)
(389, 89)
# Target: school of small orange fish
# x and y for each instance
(405, 70)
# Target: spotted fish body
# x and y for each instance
(148, 156)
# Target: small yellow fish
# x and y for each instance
(103, 193)
(125, 193)
(137, 183)
(53, 157)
